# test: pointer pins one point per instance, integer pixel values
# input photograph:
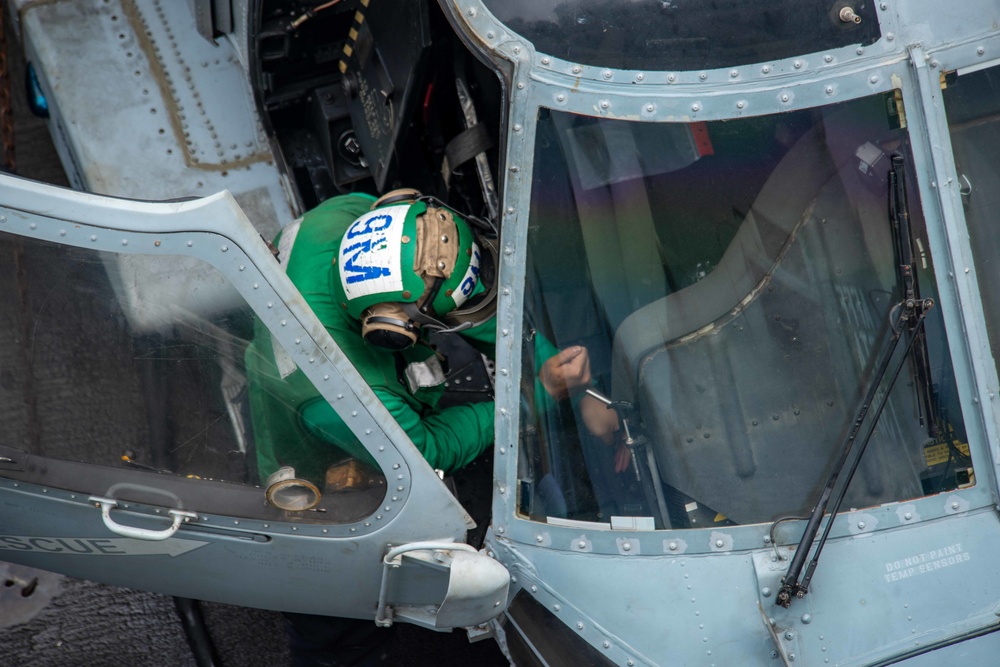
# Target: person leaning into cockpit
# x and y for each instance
(380, 274)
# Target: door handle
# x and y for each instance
(108, 504)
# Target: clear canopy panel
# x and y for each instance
(156, 365)
(734, 284)
(685, 34)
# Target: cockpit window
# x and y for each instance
(733, 283)
(156, 364)
(685, 34)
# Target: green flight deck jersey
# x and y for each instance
(294, 426)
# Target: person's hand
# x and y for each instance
(566, 372)
(623, 457)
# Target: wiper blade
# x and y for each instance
(899, 215)
(907, 316)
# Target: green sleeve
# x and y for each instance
(448, 438)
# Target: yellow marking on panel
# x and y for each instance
(938, 454)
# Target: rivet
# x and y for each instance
(626, 547)
(650, 108)
(517, 49)
(560, 97)
(581, 544)
(734, 73)
(860, 51)
(605, 104)
(807, 619)
(471, 13)
(861, 525)
(514, 169)
(579, 626)
(546, 61)
(789, 635)
(765, 69)
(797, 64)
(703, 75)
(520, 85)
(607, 74)
(784, 97)
(190, 243)
(873, 78)
(908, 516)
(719, 543)
(740, 104)
(606, 644)
(671, 78)
(695, 107)
(766, 592)
(556, 607)
(124, 241)
(517, 127)
(954, 506)
(539, 539)
(407, 294)
(829, 90)
(672, 546)
(980, 51)
(404, 239)
(828, 58)
(889, 36)
(576, 68)
(534, 589)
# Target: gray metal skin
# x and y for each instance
(697, 597)
(706, 597)
(176, 118)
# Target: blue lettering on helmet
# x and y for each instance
(362, 273)
(365, 226)
(469, 283)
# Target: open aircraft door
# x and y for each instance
(127, 454)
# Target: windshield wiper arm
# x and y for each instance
(910, 315)
(899, 215)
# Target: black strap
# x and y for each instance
(467, 145)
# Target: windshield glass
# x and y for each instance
(732, 284)
(684, 34)
(157, 364)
